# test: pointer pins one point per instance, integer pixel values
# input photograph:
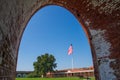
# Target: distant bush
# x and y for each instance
(32, 75)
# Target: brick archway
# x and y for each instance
(99, 18)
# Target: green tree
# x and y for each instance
(45, 63)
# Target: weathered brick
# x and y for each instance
(100, 20)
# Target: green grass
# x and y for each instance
(66, 78)
(48, 78)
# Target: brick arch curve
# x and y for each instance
(86, 30)
(99, 18)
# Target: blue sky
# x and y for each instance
(51, 30)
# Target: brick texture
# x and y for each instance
(100, 20)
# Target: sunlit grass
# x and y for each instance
(75, 78)
(65, 78)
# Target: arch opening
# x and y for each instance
(72, 34)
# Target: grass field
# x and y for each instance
(67, 78)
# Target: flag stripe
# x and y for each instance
(70, 50)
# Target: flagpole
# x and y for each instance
(72, 62)
(70, 52)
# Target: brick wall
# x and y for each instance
(100, 20)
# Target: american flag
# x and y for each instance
(70, 50)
